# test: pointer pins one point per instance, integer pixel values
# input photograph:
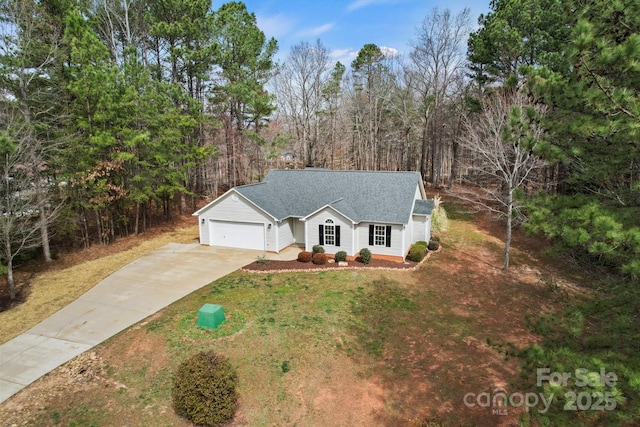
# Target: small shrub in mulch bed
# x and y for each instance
(340, 256)
(317, 249)
(304, 256)
(417, 252)
(434, 245)
(319, 259)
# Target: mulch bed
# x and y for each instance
(297, 265)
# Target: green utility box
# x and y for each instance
(210, 316)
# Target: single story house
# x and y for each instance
(340, 210)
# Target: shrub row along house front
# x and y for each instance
(341, 210)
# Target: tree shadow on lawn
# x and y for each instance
(426, 337)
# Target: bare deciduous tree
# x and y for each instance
(299, 85)
(501, 144)
(19, 213)
(28, 54)
(438, 59)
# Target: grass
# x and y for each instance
(328, 348)
(54, 289)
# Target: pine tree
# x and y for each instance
(245, 58)
(595, 123)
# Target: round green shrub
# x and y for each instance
(319, 259)
(340, 256)
(317, 249)
(417, 252)
(304, 256)
(365, 256)
(204, 389)
(434, 245)
(421, 242)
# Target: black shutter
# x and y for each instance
(320, 234)
(388, 236)
(337, 235)
(371, 235)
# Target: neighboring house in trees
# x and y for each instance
(287, 157)
(286, 160)
(341, 210)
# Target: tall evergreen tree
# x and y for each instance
(370, 81)
(516, 33)
(245, 58)
(595, 121)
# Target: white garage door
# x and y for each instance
(244, 235)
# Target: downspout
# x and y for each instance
(354, 237)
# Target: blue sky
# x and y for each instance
(345, 26)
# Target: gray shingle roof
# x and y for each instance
(423, 207)
(360, 195)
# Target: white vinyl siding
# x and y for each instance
(346, 231)
(419, 228)
(395, 249)
(418, 194)
(408, 235)
(285, 234)
(232, 207)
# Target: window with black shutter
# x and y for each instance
(380, 235)
(329, 233)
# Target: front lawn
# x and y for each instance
(324, 348)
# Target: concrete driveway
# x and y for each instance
(129, 295)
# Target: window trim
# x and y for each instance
(379, 232)
(329, 224)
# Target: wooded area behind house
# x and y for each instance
(116, 113)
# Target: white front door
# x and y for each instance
(245, 235)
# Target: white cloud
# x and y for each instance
(346, 56)
(359, 4)
(389, 52)
(316, 31)
(276, 25)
